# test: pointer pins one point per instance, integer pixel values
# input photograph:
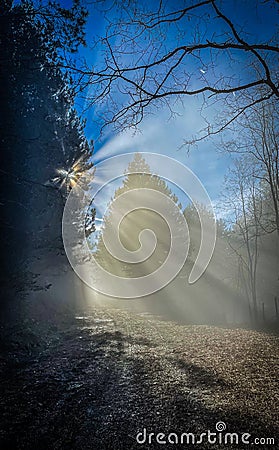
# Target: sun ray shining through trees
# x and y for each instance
(181, 99)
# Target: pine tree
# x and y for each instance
(44, 150)
(138, 220)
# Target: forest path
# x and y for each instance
(110, 374)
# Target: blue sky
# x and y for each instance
(158, 132)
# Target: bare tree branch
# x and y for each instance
(142, 69)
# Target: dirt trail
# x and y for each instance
(110, 374)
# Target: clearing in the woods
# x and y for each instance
(107, 375)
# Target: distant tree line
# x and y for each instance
(251, 198)
(241, 281)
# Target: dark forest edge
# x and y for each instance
(44, 146)
(44, 152)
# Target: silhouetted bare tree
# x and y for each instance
(243, 197)
(155, 53)
(258, 136)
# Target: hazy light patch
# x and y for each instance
(164, 135)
